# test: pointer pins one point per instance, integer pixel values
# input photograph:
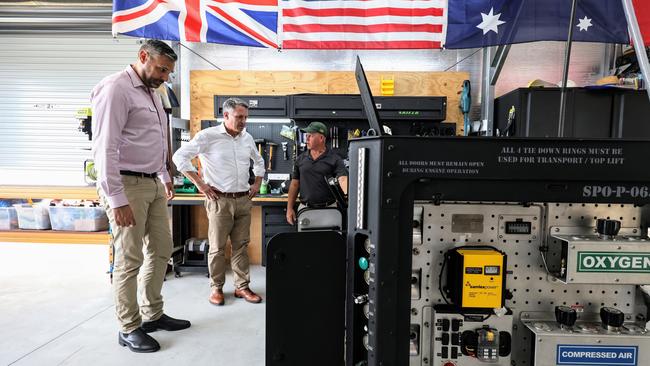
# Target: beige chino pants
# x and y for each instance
(141, 252)
(229, 217)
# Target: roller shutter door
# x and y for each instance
(45, 80)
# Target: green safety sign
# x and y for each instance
(613, 262)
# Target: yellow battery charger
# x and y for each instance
(476, 277)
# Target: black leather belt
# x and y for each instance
(320, 205)
(138, 174)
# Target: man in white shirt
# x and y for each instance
(225, 152)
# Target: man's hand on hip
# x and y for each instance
(169, 190)
(207, 191)
(124, 216)
(254, 190)
(291, 215)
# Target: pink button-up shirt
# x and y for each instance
(129, 132)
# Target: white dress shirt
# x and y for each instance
(225, 160)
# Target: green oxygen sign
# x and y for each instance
(613, 262)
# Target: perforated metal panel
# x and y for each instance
(456, 224)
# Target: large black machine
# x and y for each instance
(471, 250)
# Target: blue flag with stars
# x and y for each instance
(482, 23)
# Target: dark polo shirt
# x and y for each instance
(311, 173)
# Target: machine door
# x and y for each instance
(305, 291)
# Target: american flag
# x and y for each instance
(363, 24)
(235, 22)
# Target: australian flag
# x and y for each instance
(481, 23)
(235, 22)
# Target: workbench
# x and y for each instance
(188, 218)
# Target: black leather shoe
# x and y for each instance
(165, 323)
(138, 341)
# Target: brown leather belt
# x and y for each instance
(232, 194)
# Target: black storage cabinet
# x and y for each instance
(258, 105)
(590, 113)
(326, 106)
(349, 106)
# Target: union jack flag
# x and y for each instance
(236, 22)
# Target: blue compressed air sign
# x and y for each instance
(597, 355)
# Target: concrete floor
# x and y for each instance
(56, 308)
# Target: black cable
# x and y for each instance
(465, 58)
(442, 269)
(203, 58)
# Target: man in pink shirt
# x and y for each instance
(130, 152)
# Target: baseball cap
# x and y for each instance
(318, 127)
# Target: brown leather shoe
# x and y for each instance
(216, 298)
(248, 295)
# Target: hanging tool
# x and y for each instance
(285, 150)
(271, 145)
(336, 136)
(260, 143)
(295, 144)
(260, 146)
(465, 106)
(330, 134)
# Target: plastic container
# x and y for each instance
(33, 217)
(78, 218)
(8, 218)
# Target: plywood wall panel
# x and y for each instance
(206, 84)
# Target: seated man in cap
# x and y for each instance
(309, 172)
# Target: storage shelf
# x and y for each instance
(56, 237)
(39, 192)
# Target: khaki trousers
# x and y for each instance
(229, 217)
(141, 252)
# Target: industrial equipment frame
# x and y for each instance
(388, 174)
